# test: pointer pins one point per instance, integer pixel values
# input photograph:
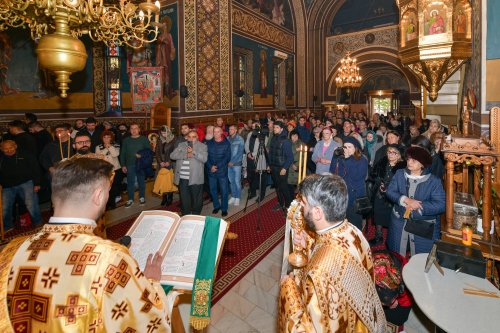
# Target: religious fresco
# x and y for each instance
(435, 20)
(410, 26)
(166, 53)
(146, 88)
(277, 11)
(262, 72)
(290, 86)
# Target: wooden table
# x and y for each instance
(442, 300)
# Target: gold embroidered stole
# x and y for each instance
(333, 265)
(6, 256)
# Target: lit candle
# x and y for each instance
(141, 15)
(157, 4)
(60, 146)
(304, 163)
(299, 177)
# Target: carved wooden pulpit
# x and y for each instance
(470, 151)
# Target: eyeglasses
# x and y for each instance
(88, 142)
(392, 153)
(192, 136)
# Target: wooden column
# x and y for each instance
(487, 201)
(449, 193)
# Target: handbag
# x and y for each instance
(363, 206)
(422, 228)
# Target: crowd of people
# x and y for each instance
(385, 169)
(386, 161)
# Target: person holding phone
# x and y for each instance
(190, 157)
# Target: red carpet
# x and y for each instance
(241, 254)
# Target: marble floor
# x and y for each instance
(251, 305)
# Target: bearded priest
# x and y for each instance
(335, 291)
(66, 279)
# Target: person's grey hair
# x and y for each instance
(329, 192)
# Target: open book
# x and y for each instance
(177, 238)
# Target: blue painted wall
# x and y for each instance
(493, 37)
(356, 15)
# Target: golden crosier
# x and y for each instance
(57, 25)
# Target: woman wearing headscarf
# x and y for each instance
(380, 178)
(420, 194)
(372, 143)
(164, 148)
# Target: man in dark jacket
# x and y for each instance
(57, 150)
(24, 141)
(304, 132)
(41, 135)
(19, 176)
(280, 159)
(93, 131)
(219, 155)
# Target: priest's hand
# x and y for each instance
(153, 266)
(300, 239)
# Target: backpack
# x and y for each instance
(388, 268)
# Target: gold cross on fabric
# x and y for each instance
(81, 259)
(43, 243)
(71, 310)
(116, 275)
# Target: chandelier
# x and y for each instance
(348, 73)
(57, 25)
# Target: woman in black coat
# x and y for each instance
(379, 178)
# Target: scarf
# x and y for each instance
(167, 138)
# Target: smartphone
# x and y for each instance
(190, 144)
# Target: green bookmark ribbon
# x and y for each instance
(201, 298)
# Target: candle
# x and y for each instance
(60, 146)
(299, 177)
(304, 163)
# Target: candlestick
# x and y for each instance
(299, 177)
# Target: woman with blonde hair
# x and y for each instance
(434, 127)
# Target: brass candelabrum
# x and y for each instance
(296, 216)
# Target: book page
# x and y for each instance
(182, 255)
(148, 236)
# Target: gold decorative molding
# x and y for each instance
(190, 53)
(300, 56)
(251, 24)
(468, 158)
(225, 56)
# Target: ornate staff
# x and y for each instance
(295, 215)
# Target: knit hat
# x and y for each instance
(419, 154)
(353, 141)
(399, 148)
(292, 123)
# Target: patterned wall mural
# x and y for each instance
(277, 11)
(338, 46)
(257, 27)
(207, 55)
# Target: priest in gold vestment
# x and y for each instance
(66, 279)
(335, 291)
